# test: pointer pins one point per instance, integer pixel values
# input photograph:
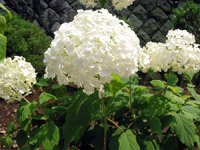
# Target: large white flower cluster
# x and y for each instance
(179, 53)
(16, 78)
(118, 4)
(89, 49)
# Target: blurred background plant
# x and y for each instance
(28, 40)
(187, 18)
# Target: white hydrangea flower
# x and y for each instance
(89, 3)
(120, 4)
(16, 78)
(89, 49)
(179, 53)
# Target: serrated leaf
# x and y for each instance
(194, 94)
(45, 97)
(155, 124)
(158, 83)
(79, 114)
(192, 111)
(25, 110)
(47, 135)
(3, 41)
(127, 141)
(171, 78)
(185, 130)
(175, 89)
(174, 98)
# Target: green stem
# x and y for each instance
(105, 126)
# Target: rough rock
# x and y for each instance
(150, 26)
(141, 12)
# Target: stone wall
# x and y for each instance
(150, 19)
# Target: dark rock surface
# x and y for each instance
(150, 19)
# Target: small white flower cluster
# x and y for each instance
(16, 78)
(89, 49)
(118, 4)
(179, 53)
(89, 3)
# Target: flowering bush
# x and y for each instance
(16, 78)
(179, 53)
(118, 4)
(89, 49)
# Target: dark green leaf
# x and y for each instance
(11, 127)
(185, 130)
(21, 138)
(102, 2)
(171, 78)
(127, 141)
(78, 116)
(155, 124)
(45, 97)
(47, 135)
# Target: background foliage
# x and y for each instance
(28, 40)
(188, 18)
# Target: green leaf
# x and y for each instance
(8, 141)
(174, 98)
(151, 145)
(185, 129)
(155, 124)
(175, 89)
(192, 111)
(21, 138)
(11, 127)
(2, 24)
(42, 82)
(116, 84)
(4, 8)
(127, 141)
(188, 76)
(158, 83)
(79, 114)
(47, 135)
(102, 2)
(171, 78)
(194, 94)
(25, 110)
(3, 41)
(45, 97)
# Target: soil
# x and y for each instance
(8, 110)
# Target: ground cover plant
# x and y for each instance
(112, 94)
